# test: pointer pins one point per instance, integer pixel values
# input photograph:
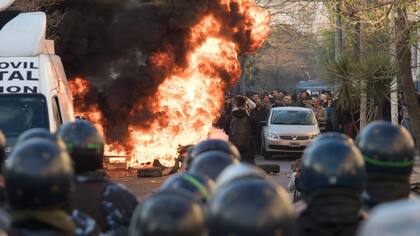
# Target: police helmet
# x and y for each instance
(168, 213)
(2, 150)
(332, 163)
(38, 175)
(200, 186)
(334, 135)
(387, 148)
(36, 133)
(211, 163)
(395, 218)
(215, 145)
(85, 145)
(241, 171)
(250, 207)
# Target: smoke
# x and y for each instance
(114, 43)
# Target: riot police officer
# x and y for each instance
(250, 207)
(36, 133)
(215, 145)
(389, 152)
(237, 172)
(394, 218)
(39, 179)
(4, 215)
(199, 186)
(169, 213)
(110, 204)
(332, 179)
(211, 145)
(2, 159)
(212, 163)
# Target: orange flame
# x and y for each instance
(190, 98)
(79, 90)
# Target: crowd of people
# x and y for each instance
(55, 184)
(243, 117)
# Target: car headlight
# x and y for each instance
(273, 136)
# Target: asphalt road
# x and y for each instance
(142, 187)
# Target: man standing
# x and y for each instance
(320, 114)
(241, 130)
(258, 115)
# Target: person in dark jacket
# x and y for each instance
(331, 116)
(241, 130)
(278, 101)
(109, 203)
(259, 115)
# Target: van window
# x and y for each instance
(57, 112)
(21, 112)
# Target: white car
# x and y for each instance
(288, 130)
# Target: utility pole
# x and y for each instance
(338, 33)
(363, 95)
(394, 83)
(338, 38)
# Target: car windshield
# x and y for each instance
(19, 113)
(283, 117)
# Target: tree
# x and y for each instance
(376, 40)
(404, 30)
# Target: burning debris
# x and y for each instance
(156, 79)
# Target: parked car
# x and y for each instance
(288, 130)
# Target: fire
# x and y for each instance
(190, 98)
(80, 89)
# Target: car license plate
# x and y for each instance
(294, 144)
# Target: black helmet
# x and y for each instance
(241, 171)
(84, 144)
(332, 163)
(40, 133)
(36, 133)
(2, 150)
(334, 135)
(387, 148)
(250, 207)
(212, 163)
(38, 175)
(395, 218)
(215, 145)
(168, 213)
(199, 186)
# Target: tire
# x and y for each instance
(270, 169)
(150, 172)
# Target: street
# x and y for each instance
(142, 187)
(145, 186)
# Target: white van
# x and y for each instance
(33, 86)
